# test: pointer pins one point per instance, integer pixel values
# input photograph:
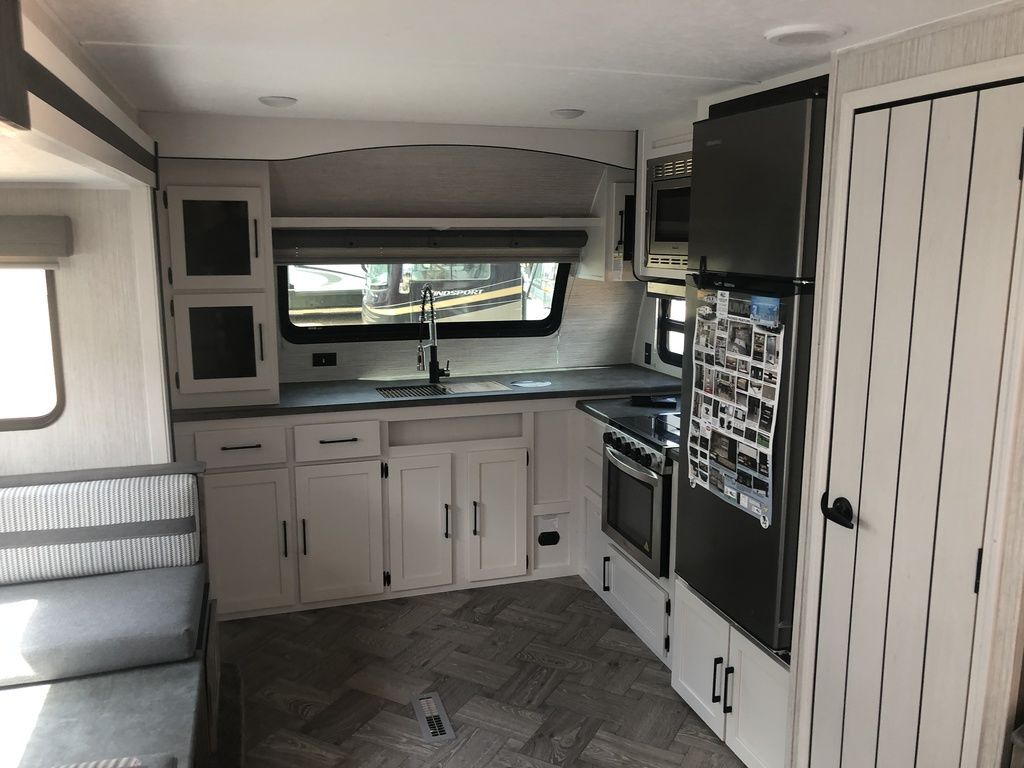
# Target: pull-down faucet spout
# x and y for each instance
(436, 372)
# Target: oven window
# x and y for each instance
(631, 509)
(672, 215)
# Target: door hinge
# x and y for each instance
(668, 607)
(165, 198)
(177, 380)
(527, 458)
(977, 573)
(172, 307)
(170, 276)
(384, 469)
(1020, 169)
(666, 643)
(527, 562)
(387, 578)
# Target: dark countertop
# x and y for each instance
(608, 411)
(361, 394)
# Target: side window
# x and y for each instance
(32, 392)
(671, 337)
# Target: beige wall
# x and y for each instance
(115, 411)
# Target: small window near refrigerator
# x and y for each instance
(671, 339)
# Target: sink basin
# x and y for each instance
(440, 390)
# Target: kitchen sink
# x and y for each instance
(439, 390)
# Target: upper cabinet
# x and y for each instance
(214, 237)
(608, 253)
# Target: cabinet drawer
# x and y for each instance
(347, 440)
(241, 447)
(593, 430)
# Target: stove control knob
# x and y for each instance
(607, 437)
(647, 460)
(619, 444)
(635, 453)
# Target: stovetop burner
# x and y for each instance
(659, 431)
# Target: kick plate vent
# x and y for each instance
(434, 723)
(417, 390)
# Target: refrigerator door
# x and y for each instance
(723, 552)
(756, 189)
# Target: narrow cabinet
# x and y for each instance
(340, 530)
(215, 237)
(702, 652)
(250, 539)
(420, 521)
(496, 504)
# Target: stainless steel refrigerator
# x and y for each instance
(756, 193)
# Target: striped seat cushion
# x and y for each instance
(94, 527)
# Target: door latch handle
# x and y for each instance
(840, 512)
(446, 521)
(726, 706)
(605, 561)
(715, 695)
(476, 520)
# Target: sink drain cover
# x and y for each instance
(434, 723)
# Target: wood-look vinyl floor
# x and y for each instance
(533, 675)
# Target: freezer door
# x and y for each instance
(756, 189)
(724, 553)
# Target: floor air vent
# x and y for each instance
(434, 723)
(417, 390)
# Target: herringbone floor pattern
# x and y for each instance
(533, 675)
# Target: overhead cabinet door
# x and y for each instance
(496, 493)
(341, 530)
(214, 237)
(933, 207)
(420, 521)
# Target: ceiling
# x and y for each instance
(492, 62)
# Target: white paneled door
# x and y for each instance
(420, 521)
(496, 491)
(933, 208)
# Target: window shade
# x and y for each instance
(34, 241)
(357, 246)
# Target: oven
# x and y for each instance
(636, 506)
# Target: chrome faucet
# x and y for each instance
(436, 371)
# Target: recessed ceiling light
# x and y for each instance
(804, 34)
(566, 114)
(277, 101)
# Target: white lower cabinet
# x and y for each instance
(497, 506)
(341, 530)
(420, 521)
(638, 600)
(740, 690)
(250, 539)
(595, 544)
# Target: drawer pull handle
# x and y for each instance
(284, 536)
(260, 327)
(250, 447)
(476, 519)
(604, 574)
(726, 706)
(446, 521)
(715, 695)
(305, 551)
(340, 440)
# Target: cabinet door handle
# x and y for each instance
(259, 327)
(284, 536)
(305, 551)
(256, 237)
(340, 440)
(446, 521)
(726, 706)
(249, 447)
(715, 695)
(476, 520)
(604, 574)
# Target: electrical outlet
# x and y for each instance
(647, 353)
(322, 359)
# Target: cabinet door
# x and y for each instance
(341, 530)
(638, 601)
(250, 541)
(221, 342)
(214, 237)
(419, 521)
(595, 544)
(757, 690)
(496, 499)
(700, 656)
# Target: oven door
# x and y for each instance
(668, 220)
(633, 510)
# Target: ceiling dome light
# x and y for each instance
(277, 102)
(567, 114)
(804, 34)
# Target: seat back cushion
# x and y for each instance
(95, 527)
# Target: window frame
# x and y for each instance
(25, 423)
(665, 324)
(472, 329)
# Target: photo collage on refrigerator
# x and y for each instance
(737, 362)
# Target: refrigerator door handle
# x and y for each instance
(840, 512)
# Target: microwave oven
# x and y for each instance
(668, 215)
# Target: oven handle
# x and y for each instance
(627, 466)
